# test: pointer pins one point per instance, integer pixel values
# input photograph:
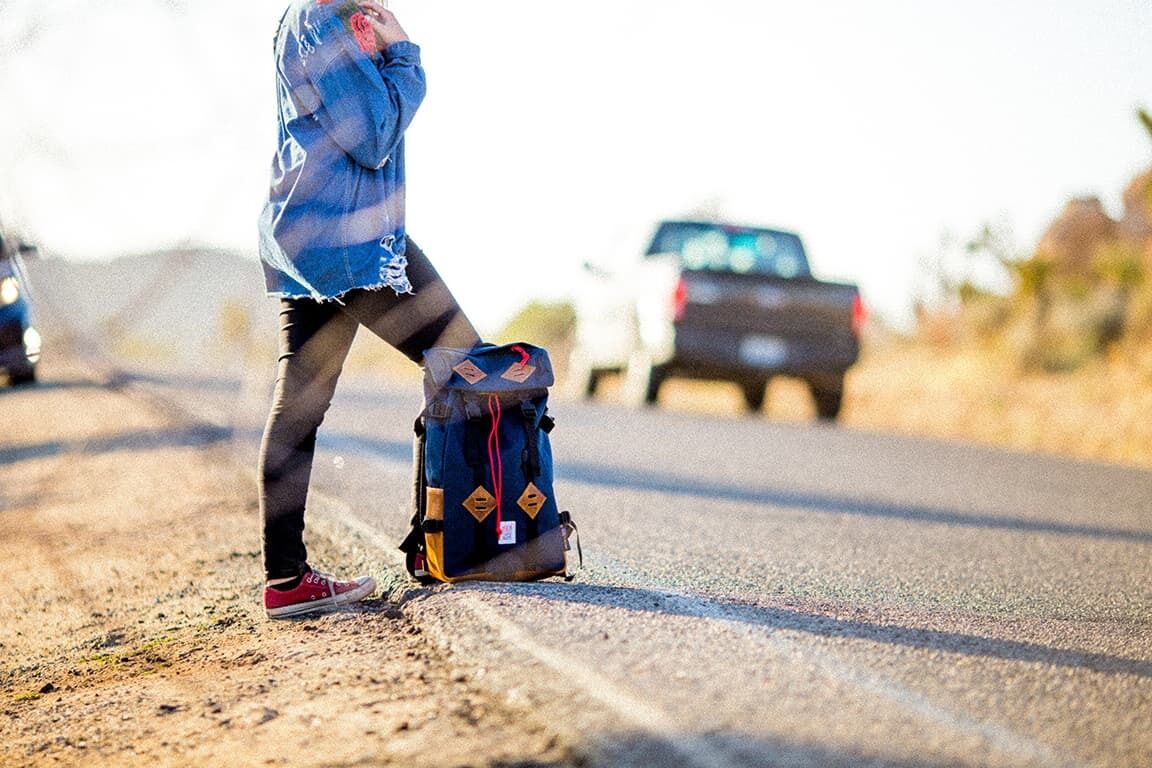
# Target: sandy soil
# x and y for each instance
(132, 632)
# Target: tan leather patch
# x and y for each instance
(519, 373)
(434, 504)
(532, 500)
(470, 372)
(480, 503)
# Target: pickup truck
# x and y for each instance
(717, 301)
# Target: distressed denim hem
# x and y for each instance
(400, 289)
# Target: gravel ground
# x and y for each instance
(133, 633)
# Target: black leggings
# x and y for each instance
(314, 340)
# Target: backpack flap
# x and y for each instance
(487, 368)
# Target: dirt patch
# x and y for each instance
(133, 633)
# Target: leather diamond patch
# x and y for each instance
(480, 503)
(532, 500)
(519, 373)
(470, 372)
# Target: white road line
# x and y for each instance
(336, 513)
(1003, 739)
(659, 723)
(627, 708)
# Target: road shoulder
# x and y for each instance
(133, 633)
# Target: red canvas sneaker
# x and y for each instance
(316, 591)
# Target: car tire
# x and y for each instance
(828, 400)
(22, 376)
(754, 394)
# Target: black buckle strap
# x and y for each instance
(472, 409)
(570, 529)
(413, 542)
(475, 440)
(530, 458)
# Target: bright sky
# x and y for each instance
(558, 133)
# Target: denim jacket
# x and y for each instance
(334, 219)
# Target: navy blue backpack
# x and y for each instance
(484, 498)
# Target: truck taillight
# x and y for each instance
(679, 299)
(859, 315)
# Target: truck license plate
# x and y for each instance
(763, 351)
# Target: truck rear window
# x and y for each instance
(723, 248)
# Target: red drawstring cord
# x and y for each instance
(494, 461)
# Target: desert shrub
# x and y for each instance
(1084, 289)
(234, 323)
(544, 324)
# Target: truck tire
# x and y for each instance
(582, 378)
(642, 380)
(754, 393)
(591, 382)
(828, 399)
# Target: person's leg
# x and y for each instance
(427, 317)
(314, 340)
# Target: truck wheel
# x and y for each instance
(754, 393)
(642, 380)
(582, 378)
(828, 400)
(591, 381)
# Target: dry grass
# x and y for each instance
(1102, 412)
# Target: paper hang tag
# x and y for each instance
(507, 532)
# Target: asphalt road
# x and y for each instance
(761, 594)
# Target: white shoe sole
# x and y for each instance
(366, 588)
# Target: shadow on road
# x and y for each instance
(728, 748)
(187, 381)
(616, 477)
(52, 384)
(642, 480)
(193, 436)
(820, 625)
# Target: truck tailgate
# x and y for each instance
(766, 322)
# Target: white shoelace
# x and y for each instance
(325, 580)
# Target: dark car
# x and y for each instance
(710, 300)
(19, 340)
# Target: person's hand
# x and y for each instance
(384, 24)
